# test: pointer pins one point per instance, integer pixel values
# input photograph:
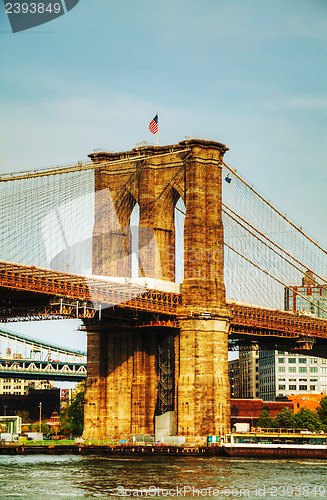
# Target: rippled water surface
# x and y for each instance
(69, 476)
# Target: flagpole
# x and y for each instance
(158, 130)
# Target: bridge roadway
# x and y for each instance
(42, 370)
(51, 293)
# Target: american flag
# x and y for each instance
(153, 127)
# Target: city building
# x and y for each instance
(309, 401)
(234, 377)
(244, 374)
(249, 410)
(282, 373)
(273, 374)
(22, 386)
(13, 386)
(309, 298)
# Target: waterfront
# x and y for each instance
(70, 476)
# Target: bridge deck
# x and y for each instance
(73, 286)
(245, 319)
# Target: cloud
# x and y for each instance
(308, 102)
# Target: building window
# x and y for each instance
(303, 387)
(281, 369)
(281, 360)
(292, 379)
(280, 352)
(313, 361)
(292, 387)
(281, 387)
(313, 387)
(313, 379)
(313, 369)
(292, 369)
(292, 360)
(303, 360)
(323, 369)
(303, 369)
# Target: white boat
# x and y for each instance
(277, 443)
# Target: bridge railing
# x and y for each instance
(30, 278)
(283, 323)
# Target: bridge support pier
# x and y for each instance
(202, 382)
(94, 388)
(121, 394)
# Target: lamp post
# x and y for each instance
(40, 406)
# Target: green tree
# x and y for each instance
(35, 427)
(284, 419)
(322, 412)
(265, 420)
(72, 417)
(313, 421)
(307, 419)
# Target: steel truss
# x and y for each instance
(77, 296)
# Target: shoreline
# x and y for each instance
(142, 450)
(90, 449)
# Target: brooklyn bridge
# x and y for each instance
(170, 258)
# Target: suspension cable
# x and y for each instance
(275, 209)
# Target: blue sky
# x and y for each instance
(249, 73)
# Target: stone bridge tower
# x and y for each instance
(123, 375)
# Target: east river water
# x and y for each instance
(68, 476)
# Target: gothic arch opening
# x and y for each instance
(179, 219)
(134, 222)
